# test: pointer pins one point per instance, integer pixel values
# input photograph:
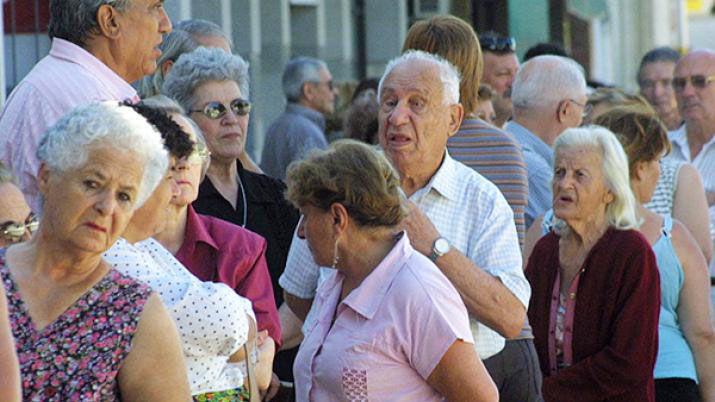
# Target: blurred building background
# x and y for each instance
(357, 37)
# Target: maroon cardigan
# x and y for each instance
(615, 330)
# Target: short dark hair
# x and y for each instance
(659, 54)
(176, 140)
(541, 49)
(76, 20)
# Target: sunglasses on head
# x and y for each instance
(698, 81)
(216, 110)
(14, 231)
(498, 44)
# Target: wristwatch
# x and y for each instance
(440, 247)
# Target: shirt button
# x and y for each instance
(572, 295)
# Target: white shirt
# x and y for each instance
(704, 162)
(470, 212)
(211, 317)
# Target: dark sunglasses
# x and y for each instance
(498, 44)
(698, 81)
(216, 110)
(14, 231)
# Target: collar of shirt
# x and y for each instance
(196, 231)
(310, 114)
(71, 53)
(366, 298)
(679, 139)
(529, 141)
(445, 181)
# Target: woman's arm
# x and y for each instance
(461, 376)
(691, 208)
(9, 367)
(154, 370)
(694, 309)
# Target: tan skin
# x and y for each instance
(655, 81)
(13, 209)
(460, 375)
(64, 259)
(9, 367)
(186, 175)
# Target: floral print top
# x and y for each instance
(77, 356)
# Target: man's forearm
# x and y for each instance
(299, 307)
(487, 299)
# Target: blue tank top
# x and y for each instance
(675, 359)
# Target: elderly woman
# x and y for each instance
(214, 322)
(212, 86)
(595, 287)
(213, 249)
(389, 325)
(679, 191)
(686, 349)
(84, 331)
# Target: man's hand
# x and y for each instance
(420, 229)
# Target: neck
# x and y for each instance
(57, 262)
(363, 253)
(698, 133)
(102, 50)
(587, 232)
(172, 237)
(672, 119)
(222, 171)
(416, 175)
(546, 131)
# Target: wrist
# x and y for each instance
(440, 247)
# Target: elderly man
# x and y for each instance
(549, 96)
(655, 79)
(694, 142)
(457, 218)
(500, 67)
(309, 91)
(98, 48)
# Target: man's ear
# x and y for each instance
(456, 115)
(107, 21)
(43, 177)
(562, 110)
(307, 91)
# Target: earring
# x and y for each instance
(336, 257)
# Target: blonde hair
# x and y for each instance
(353, 174)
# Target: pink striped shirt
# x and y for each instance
(66, 78)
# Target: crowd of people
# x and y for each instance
(478, 230)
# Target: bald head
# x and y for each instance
(694, 83)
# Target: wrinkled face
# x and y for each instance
(14, 213)
(154, 214)
(187, 170)
(656, 85)
(499, 72)
(88, 208)
(579, 186)
(225, 136)
(485, 111)
(576, 111)
(315, 227)
(414, 122)
(142, 25)
(696, 105)
(323, 93)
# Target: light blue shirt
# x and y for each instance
(539, 158)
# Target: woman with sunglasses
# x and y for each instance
(17, 222)
(212, 86)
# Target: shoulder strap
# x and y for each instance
(667, 225)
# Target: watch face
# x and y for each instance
(441, 246)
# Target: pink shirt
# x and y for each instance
(389, 333)
(563, 308)
(66, 78)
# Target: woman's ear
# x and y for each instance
(639, 170)
(43, 178)
(166, 67)
(340, 216)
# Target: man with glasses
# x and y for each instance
(309, 91)
(98, 48)
(500, 67)
(694, 142)
(549, 96)
(17, 222)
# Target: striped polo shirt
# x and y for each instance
(496, 155)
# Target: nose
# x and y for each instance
(399, 114)
(301, 227)
(106, 203)
(164, 22)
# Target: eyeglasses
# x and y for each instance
(698, 81)
(199, 154)
(216, 110)
(14, 231)
(498, 44)
(587, 108)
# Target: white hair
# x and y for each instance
(299, 71)
(621, 212)
(545, 80)
(67, 144)
(448, 74)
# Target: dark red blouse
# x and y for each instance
(219, 251)
(615, 329)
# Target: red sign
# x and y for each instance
(25, 16)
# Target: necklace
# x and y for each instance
(243, 198)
